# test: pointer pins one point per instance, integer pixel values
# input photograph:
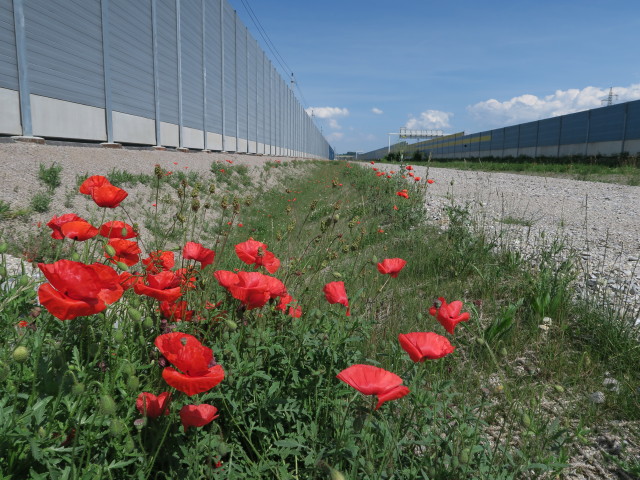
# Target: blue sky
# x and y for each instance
(367, 68)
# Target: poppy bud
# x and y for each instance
(21, 354)
(559, 388)
(464, 456)
(133, 383)
(335, 474)
(374, 260)
(122, 266)
(124, 232)
(118, 336)
(231, 324)
(212, 189)
(526, 420)
(116, 428)
(3, 271)
(75, 256)
(4, 247)
(4, 372)
(180, 218)
(109, 250)
(480, 341)
(77, 389)
(147, 322)
(337, 274)
(503, 352)
(23, 281)
(336, 217)
(107, 405)
(134, 313)
(420, 317)
(128, 369)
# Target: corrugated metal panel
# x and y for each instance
(131, 56)
(574, 128)
(548, 131)
(8, 61)
(241, 79)
(252, 48)
(261, 66)
(191, 60)
(167, 61)
(607, 123)
(497, 139)
(528, 135)
(485, 146)
(64, 50)
(214, 67)
(229, 71)
(633, 121)
(511, 137)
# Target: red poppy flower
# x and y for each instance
(285, 300)
(226, 278)
(374, 169)
(165, 286)
(335, 292)
(79, 230)
(126, 251)
(151, 406)
(159, 260)
(108, 196)
(371, 380)
(252, 289)
(127, 280)
(403, 193)
(56, 223)
(411, 174)
(176, 311)
(417, 179)
(96, 181)
(187, 278)
(425, 345)
(448, 314)
(76, 289)
(201, 372)
(391, 266)
(195, 251)
(255, 253)
(117, 229)
(409, 167)
(372, 162)
(275, 286)
(430, 181)
(198, 416)
(395, 207)
(295, 311)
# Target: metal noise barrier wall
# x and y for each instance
(178, 73)
(611, 130)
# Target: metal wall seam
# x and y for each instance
(222, 86)
(204, 78)
(23, 76)
(156, 80)
(104, 5)
(179, 72)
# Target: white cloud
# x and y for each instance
(527, 107)
(335, 136)
(429, 119)
(333, 123)
(377, 111)
(327, 112)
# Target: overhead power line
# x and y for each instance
(271, 46)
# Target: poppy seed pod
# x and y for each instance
(78, 389)
(134, 314)
(21, 354)
(109, 250)
(107, 405)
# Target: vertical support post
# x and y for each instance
(235, 71)
(156, 79)
(246, 51)
(624, 127)
(257, 50)
(222, 86)
(204, 78)
(23, 75)
(106, 65)
(559, 137)
(588, 135)
(535, 152)
(179, 46)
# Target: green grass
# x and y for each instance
(50, 176)
(511, 399)
(40, 202)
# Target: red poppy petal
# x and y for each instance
(197, 415)
(393, 394)
(64, 307)
(193, 385)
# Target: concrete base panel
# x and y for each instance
(527, 151)
(573, 149)
(230, 144)
(548, 151)
(169, 134)
(214, 141)
(241, 146)
(192, 138)
(632, 147)
(510, 152)
(604, 148)
(57, 118)
(252, 147)
(260, 149)
(10, 112)
(133, 129)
